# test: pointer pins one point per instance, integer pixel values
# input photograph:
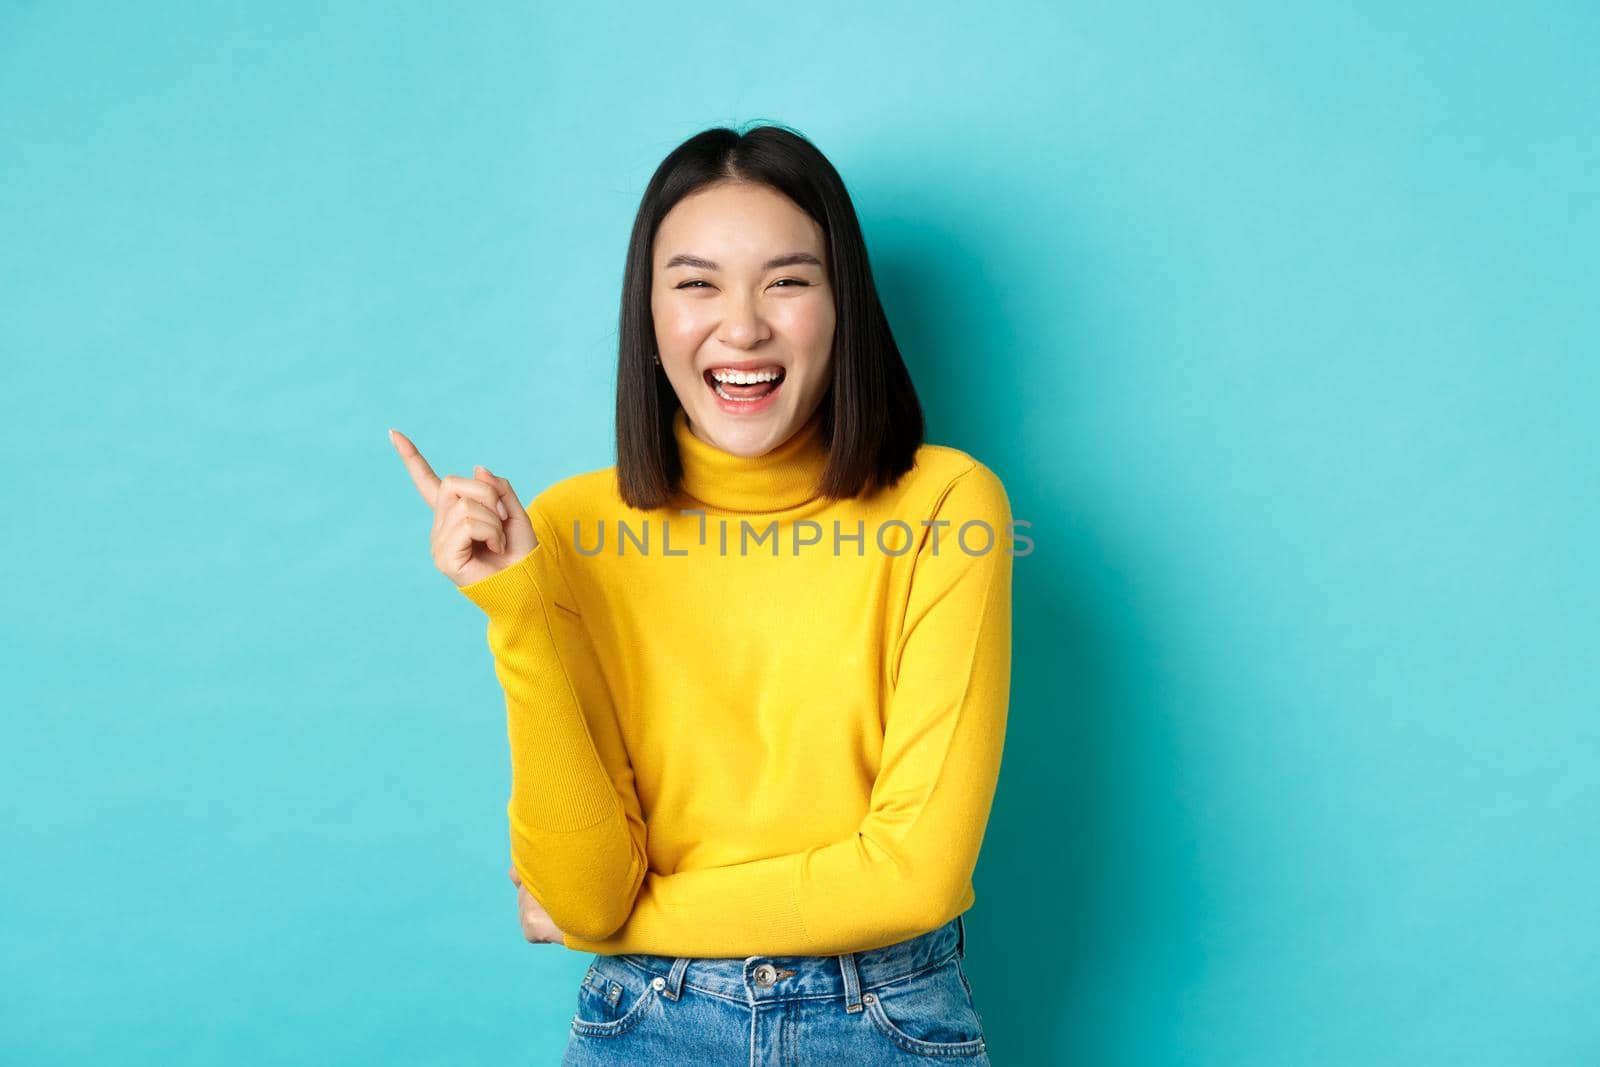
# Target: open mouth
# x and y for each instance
(745, 386)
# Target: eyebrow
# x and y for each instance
(788, 259)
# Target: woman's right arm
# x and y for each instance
(577, 833)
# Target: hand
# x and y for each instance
(479, 527)
(536, 924)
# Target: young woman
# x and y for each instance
(757, 672)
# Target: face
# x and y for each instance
(740, 285)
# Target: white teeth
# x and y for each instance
(742, 377)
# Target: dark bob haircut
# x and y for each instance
(871, 419)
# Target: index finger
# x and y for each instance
(422, 475)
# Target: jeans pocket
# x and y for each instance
(930, 1014)
(610, 1003)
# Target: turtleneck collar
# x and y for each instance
(785, 477)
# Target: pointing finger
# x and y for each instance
(422, 475)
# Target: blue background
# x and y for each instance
(1278, 321)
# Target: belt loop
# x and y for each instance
(961, 937)
(852, 982)
(675, 978)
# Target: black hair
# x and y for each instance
(871, 419)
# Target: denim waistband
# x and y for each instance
(768, 978)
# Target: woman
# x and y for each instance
(757, 672)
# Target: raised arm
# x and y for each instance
(577, 835)
(908, 866)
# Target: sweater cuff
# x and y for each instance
(519, 588)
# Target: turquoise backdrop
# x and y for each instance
(1279, 322)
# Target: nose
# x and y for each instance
(742, 324)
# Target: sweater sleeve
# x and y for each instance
(907, 868)
(577, 835)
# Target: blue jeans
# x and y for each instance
(905, 1003)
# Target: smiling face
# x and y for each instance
(740, 283)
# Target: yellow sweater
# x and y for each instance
(785, 748)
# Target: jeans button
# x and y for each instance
(766, 974)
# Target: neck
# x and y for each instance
(785, 477)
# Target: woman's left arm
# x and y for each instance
(908, 867)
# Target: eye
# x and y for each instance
(796, 281)
(687, 284)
